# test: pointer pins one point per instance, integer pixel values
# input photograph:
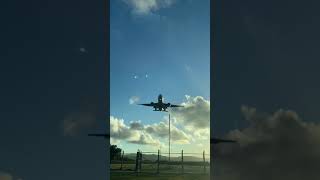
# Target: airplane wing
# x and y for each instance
(216, 141)
(147, 104)
(172, 105)
(100, 135)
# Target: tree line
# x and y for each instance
(115, 152)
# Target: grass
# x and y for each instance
(167, 172)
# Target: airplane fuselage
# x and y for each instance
(160, 105)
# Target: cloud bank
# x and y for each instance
(137, 133)
(278, 146)
(194, 116)
(189, 124)
(195, 113)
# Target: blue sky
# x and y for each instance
(158, 49)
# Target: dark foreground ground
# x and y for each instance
(163, 176)
(166, 173)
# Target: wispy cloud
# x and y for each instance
(134, 99)
(145, 7)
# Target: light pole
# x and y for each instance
(169, 136)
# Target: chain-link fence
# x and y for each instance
(161, 162)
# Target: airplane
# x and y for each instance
(216, 141)
(160, 105)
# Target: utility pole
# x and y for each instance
(118, 129)
(169, 136)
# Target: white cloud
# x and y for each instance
(115, 141)
(161, 130)
(136, 125)
(146, 139)
(189, 125)
(195, 113)
(138, 133)
(145, 7)
(194, 117)
(134, 99)
(120, 131)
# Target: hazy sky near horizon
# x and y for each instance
(159, 47)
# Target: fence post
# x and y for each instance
(122, 160)
(137, 159)
(140, 161)
(204, 162)
(158, 161)
(182, 161)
